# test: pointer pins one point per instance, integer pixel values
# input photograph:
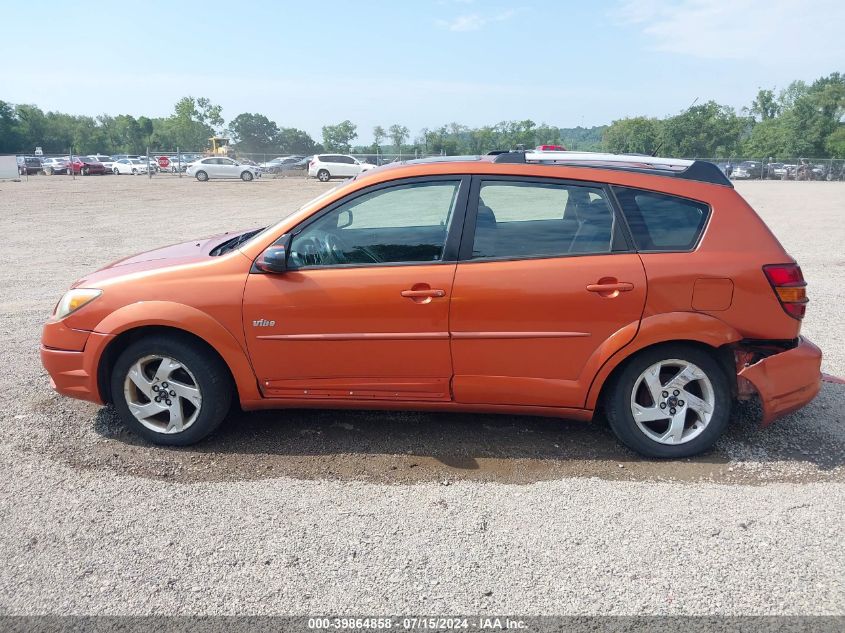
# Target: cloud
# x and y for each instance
(475, 21)
(765, 31)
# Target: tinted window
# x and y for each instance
(661, 222)
(401, 224)
(518, 219)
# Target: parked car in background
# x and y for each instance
(122, 156)
(129, 166)
(53, 166)
(107, 161)
(748, 169)
(85, 166)
(222, 167)
(551, 148)
(327, 166)
(507, 284)
(278, 165)
(150, 162)
(29, 165)
(775, 171)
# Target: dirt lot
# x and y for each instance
(297, 512)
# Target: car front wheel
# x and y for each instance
(202, 176)
(671, 401)
(246, 176)
(323, 175)
(169, 390)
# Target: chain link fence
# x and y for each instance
(174, 161)
(801, 168)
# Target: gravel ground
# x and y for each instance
(361, 512)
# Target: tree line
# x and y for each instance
(801, 120)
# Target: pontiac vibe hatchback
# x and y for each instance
(546, 283)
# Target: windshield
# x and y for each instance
(311, 202)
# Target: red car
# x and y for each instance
(84, 166)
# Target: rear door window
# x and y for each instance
(532, 219)
(661, 222)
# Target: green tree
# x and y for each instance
(765, 106)
(293, 141)
(336, 138)
(398, 134)
(378, 136)
(835, 144)
(10, 136)
(708, 130)
(635, 135)
(190, 126)
(254, 132)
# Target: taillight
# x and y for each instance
(790, 287)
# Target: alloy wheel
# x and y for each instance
(162, 394)
(672, 401)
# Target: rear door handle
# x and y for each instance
(423, 294)
(619, 286)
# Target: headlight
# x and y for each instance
(75, 299)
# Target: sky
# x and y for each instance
(419, 63)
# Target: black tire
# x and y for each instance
(116, 171)
(212, 378)
(202, 176)
(323, 175)
(134, 172)
(617, 402)
(49, 172)
(83, 171)
(246, 176)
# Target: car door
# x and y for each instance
(362, 310)
(228, 168)
(545, 280)
(346, 166)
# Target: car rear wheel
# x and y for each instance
(246, 176)
(170, 391)
(323, 175)
(202, 176)
(671, 401)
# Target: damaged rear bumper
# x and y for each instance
(785, 381)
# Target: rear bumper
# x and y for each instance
(786, 381)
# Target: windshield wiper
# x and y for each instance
(232, 244)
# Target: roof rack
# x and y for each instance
(699, 170)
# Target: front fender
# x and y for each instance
(664, 328)
(188, 319)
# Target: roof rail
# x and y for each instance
(676, 167)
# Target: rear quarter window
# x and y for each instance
(660, 222)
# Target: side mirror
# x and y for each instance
(273, 260)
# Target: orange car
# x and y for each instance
(547, 283)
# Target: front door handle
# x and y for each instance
(422, 293)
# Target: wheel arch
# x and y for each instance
(695, 329)
(133, 322)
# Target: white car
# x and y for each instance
(327, 166)
(107, 161)
(222, 167)
(131, 166)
